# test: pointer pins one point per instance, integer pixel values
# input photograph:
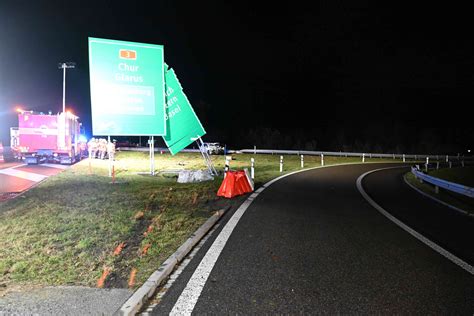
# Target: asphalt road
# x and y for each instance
(311, 244)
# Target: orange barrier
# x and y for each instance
(235, 183)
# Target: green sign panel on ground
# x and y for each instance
(127, 88)
(182, 123)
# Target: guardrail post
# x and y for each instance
(450, 165)
(281, 163)
(302, 162)
(252, 168)
(403, 157)
(426, 164)
(447, 158)
(363, 157)
(437, 165)
(370, 155)
(254, 149)
(393, 156)
(416, 157)
(322, 159)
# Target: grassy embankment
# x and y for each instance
(65, 230)
(464, 176)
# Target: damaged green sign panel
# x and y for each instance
(182, 123)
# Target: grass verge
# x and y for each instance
(74, 226)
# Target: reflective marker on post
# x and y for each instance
(281, 163)
(363, 157)
(252, 168)
(322, 159)
(447, 158)
(302, 162)
(427, 162)
(403, 157)
(227, 163)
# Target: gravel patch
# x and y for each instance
(64, 300)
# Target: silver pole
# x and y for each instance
(64, 88)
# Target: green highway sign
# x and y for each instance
(127, 88)
(182, 123)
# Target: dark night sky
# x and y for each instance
(370, 71)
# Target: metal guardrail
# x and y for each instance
(318, 153)
(353, 154)
(451, 186)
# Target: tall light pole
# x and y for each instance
(63, 66)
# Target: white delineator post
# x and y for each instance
(426, 164)
(437, 165)
(252, 168)
(363, 157)
(403, 157)
(302, 162)
(227, 164)
(322, 159)
(254, 150)
(450, 164)
(151, 142)
(447, 158)
(281, 163)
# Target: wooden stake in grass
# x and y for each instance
(101, 281)
(195, 196)
(119, 248)
(131, 280)
(113, 174)
(145, 249)
(148, 230)
(139, 215)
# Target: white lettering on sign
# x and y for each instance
(127, 67)
(127, 78)
(173, 112)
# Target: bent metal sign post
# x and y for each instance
(127, 88)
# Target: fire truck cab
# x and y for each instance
(48, 137)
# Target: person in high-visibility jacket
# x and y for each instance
(92, 147)
(102, 148)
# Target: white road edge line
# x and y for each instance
(190, 295)
(461, 263)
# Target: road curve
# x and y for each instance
(310, 243)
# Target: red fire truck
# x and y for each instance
(48, 137)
